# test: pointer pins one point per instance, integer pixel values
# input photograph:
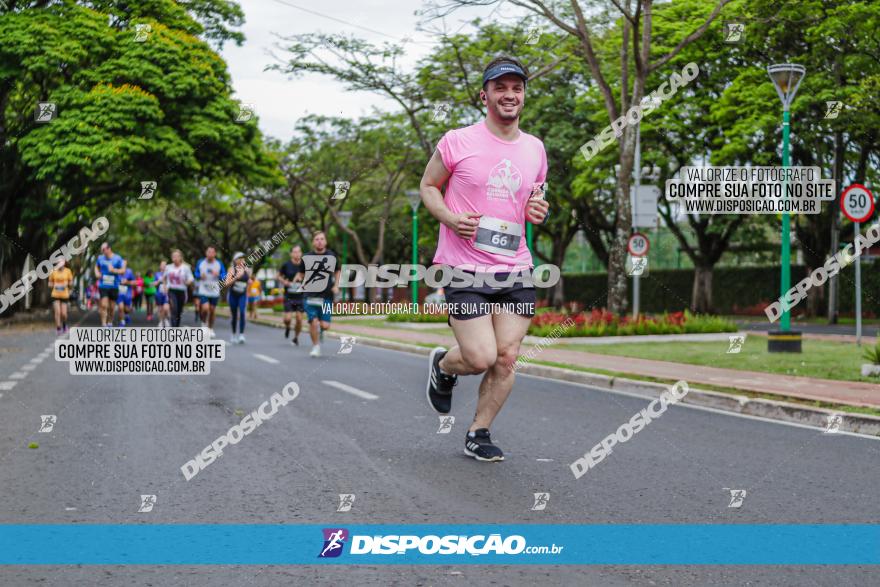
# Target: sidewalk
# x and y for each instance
(806, 388)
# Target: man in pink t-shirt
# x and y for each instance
(496, 175)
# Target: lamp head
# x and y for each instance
(786, 79)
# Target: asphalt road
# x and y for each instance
(117, 437)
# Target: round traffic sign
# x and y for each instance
(638, 245)
(857, 202)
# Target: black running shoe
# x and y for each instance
(287, 331)
(296, 339)
(479, 445)
(439, 390)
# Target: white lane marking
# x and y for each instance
(544, 460)
(267, 359)
(28, 367)
(7, 385)
(18, 375)
(37, 360)
(352, 390)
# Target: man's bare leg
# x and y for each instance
(314, 331)
(475, 351)
(497, 383)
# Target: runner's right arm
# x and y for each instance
(435, 176)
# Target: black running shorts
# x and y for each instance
(465, 303)
(293, 304)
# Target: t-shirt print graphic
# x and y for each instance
(504, 181)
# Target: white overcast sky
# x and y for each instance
(280, 102)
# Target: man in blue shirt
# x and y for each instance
(108, 268)
(124, 299)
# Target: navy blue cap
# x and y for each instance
(497, 71)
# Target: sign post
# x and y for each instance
(857, 204)
(637, 246)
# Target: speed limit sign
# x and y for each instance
(638, 245)
(857, 202)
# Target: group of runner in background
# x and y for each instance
(117, 291)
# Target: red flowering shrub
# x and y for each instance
(601, 322)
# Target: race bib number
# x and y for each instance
(211, 289)
(239, 287)
(108, 280)
(123, 289)
(294, 288)
(498, 236)
(315, 301)
(60, 287)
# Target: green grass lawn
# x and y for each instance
(823, 359)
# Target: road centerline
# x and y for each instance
(349, 389)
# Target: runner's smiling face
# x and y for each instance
(504, 97)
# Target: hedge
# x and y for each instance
(733, 288)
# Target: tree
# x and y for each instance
(834, 40)
(127, 111)
(373, 157)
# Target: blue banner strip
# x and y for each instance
(624, 544)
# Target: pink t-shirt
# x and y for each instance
(493, 177)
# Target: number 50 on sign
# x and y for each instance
(638, 245)
(857, 202)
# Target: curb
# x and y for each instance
(739, 404)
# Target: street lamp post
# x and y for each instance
(344, 218)
(415, 199)
(786, 79)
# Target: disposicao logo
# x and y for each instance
(334, 540)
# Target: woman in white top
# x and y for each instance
(178, 277)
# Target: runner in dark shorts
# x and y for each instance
(108, 269)
(494, 176)
(293, 294)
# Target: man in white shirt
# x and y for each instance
(208, 273)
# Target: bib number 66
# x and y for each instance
(500, 239)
